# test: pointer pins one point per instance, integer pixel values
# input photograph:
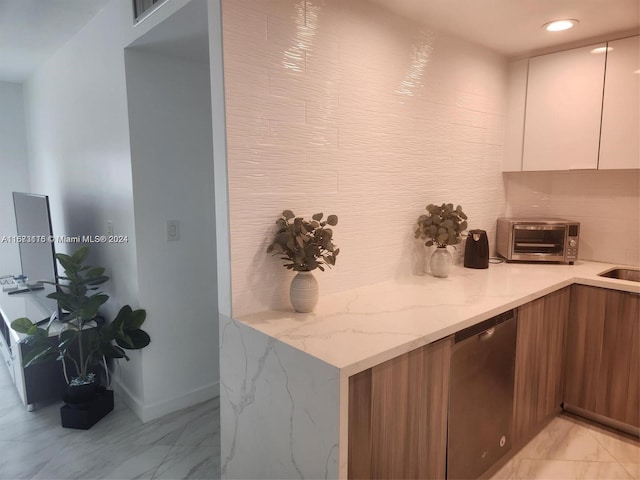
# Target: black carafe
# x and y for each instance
(476, 250)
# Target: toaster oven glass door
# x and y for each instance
(539, 240)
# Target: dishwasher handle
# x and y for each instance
(485, 329)
(487, 334)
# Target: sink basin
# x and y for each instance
(622, 274)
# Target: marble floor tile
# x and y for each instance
(202, 429)
(40, 427)
(21, 460)
(574, 448)
(98, 461)
(624, 448)
(508, 471)
(564, 439)
(118, 447)
(569, 470)
(633, 469)
(184, 462)
(122, 426)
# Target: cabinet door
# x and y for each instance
(620, 140)
(585, 331)
(539, 362)
(564, 105)
(514, 122)
(398, 416)
(603, 353)
(618, 393)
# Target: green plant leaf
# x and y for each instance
(317, 216)
(95, 272)
(22, 325)
(36, 355)
(134, 319)
(123, 340)
(112, 351)
(332, 220)
(96, 280)
(36, 331)
(66, 338)
(80, 254)
(70, 267)
(288, 214)
(139, 338)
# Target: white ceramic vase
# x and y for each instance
(440, 262)
(304, 292)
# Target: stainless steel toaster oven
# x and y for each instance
(537, 239)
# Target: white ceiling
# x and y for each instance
(31, 30)
(512, 27)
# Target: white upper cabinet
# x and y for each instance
(563, 109)
(619, 140)
(514, 124)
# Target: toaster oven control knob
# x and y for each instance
(572, 243)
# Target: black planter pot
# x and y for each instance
(80, 394)
(91, 407)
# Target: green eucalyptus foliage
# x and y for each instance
(442, 225)
(77, 293)
(305, 244)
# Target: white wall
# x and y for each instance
(172, 160)
(606, 203)
(81, 156)
(340, 107)
(14, 168)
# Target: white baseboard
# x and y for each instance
(158, 409)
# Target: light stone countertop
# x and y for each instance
(363, 327)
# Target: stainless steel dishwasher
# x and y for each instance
(481, 396)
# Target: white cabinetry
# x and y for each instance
(563, 109)
(514, 130)
(620, 139)
(576, 109)
(36, 383)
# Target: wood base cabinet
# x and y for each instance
(398, 416)
(602, 373)
(539, 363)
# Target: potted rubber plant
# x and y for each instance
(306, 245)
(82, 344)
(441, 226)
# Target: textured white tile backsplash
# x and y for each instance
(340, 107)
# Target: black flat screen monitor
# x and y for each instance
(36, 245)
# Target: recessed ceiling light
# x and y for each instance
(559, 25)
